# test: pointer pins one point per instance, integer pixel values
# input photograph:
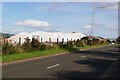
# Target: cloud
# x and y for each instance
(87, 27)
(57, 5)
(114, 7)
(33, 23)
(107, 5)
(63, 4)
(113, 28)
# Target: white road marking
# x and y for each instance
(52, 66)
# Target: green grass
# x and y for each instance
(0, 58)
(14, 57)
(20, 56)
(94, 46)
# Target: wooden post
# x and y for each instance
(19, 40)
(62, 40)
(57, 40)
(49, 40)
(41, 40)
(3, 40)
(67, 39)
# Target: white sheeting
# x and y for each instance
(46, 35)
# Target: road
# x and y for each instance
(94, 63)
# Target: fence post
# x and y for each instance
(41, 40)
(49, 40)
(67, 39)
(19, 40)
(62, 40)
(57, 40)
(3, 40)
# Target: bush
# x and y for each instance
(55, 46)
(19, 49)
(95, 41)
(26, 46)
(48, 46)
(80, 43)
(90, 42)
(8, 48)
(102, 42)
(70, 44)
(118, 40)
(77, 43)
(43, 47)
(35, 44)
(85, 40)
(62, 45)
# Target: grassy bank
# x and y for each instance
(0, 58)
(20, 56)
(14, 57)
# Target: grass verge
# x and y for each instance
(21, 56)
(0, 58)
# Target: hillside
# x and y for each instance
(6, 35)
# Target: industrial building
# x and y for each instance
(47, 36)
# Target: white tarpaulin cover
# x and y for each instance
(47, 35)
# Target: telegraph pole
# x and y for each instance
(93, 21)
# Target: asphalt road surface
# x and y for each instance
(94, 63)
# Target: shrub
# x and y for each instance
(80, 43)
(19, 49)
(8, 48)
(95, 41)
(61, 45)
(85, 40)
(55, 46)
(90, 42)
(102, 42)
(118, 40)
(48, 46)
(70, 44)
(108, 41)
(26, 46)
(43, 47)
(35, 44)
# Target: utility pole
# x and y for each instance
(92, 21)
(93, 14)
(92, 24)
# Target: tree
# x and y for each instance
(118, 39)
(108, 41)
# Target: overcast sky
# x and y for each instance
(60, 16)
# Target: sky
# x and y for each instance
(61, 17)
